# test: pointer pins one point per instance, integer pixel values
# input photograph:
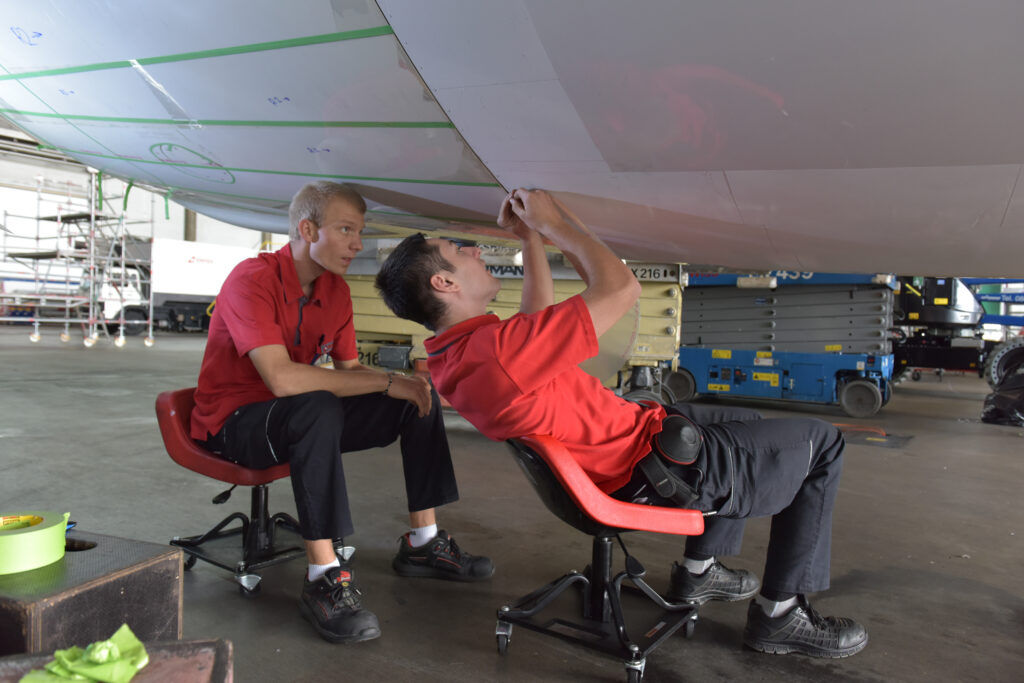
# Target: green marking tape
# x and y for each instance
(303, 174)
(29, 540)
(205, 54)
(230, 122)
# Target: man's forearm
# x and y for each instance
(285, 377)
(538, 289)
(598, 265)
(611, 287)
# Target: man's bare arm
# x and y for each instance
(611, 287)
(285, 377)
(538, 288)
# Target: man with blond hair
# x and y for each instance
(263, 399)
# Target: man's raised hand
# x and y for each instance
(508, 218)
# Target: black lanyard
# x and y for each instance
(298, 327)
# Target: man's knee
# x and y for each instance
(827, 441)
(315, 406)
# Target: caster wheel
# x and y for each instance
(190, 561)
(916, 376)
(249, 592)
(689, 628)
(502, 643)
(634, 676)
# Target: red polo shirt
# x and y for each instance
(261, 303)
(520, 376)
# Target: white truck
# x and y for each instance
(182, 279)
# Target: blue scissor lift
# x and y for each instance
(821, 338)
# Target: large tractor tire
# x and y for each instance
(1004, 360)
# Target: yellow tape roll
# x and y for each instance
(29, 540)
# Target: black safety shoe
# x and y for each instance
(332, 604)
(803, 630)
(717, 583)
(440, 558)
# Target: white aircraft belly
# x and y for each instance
(780, 134)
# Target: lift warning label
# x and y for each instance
(770, 377)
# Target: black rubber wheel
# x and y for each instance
(641, 395)
(1004, 360)
(502, 643)
(682, 385)
(134, 322)
(860, 398)
(190, 561)
(916, 375)
(633, 676)
(689, 627)
(887, 395)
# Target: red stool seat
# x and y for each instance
(258, 530)
(173, 413)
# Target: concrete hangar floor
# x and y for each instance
(928, 536)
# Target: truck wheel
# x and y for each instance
(1004, 360)
(682, 385)
(134, 322)
(860, 398)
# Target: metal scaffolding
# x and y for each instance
(75, 264)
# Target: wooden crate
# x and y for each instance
(90, 592)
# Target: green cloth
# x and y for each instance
(115, 660)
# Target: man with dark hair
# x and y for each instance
(520, 376)
(262, 399)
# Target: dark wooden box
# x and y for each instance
(90, 592)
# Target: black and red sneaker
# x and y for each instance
(332, 604)
(440, 558)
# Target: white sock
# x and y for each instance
(697, 567)
(421, 535)
(315, 571)
(775, 609)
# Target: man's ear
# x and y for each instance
(442, 282)
(308, 230)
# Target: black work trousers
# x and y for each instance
(311, 431)
(785, 468)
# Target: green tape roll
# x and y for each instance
(29, 540)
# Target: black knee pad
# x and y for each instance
(679, 440)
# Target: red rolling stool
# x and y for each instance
(173, 411)
(599, 622)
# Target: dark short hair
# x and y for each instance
(404, 281)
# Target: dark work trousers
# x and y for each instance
(311, 431)
(784, 468)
